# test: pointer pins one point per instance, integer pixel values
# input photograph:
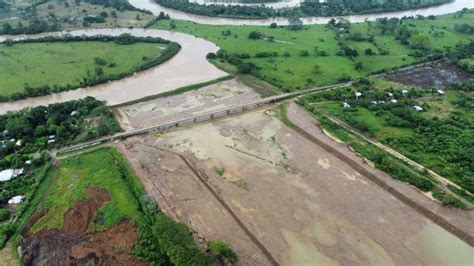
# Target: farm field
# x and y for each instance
(65, 64)
(285, 66)
(439, 137)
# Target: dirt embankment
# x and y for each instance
(75, 243)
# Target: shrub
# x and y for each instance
(222, 252)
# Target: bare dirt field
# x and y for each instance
(260, 186)
(210, 98)
(74, 244)
(437, 76)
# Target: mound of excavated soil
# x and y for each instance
(75, 243)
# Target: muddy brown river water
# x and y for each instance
(437, 10)
(189, 66)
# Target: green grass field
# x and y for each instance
(296, 72)
(38, 64)
(67, 182)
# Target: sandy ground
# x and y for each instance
(210, 98)
(302, 203)
(438, 76)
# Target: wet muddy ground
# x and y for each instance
(302, 203)
(75, 243)
(437, 76)
(210, 98)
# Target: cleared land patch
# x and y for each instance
(301, 202)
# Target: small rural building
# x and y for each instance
(404, 92)
(16, 199)
(418, 108)
(394, 101)
(18, 143)
(358, 94)
(346, 105)
(8, 174)
(440, 92)
(390, 94)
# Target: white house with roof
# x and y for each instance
(8, 174)
(346, 105)
(440, 92)
(16, 200)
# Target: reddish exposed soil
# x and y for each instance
(75, 243)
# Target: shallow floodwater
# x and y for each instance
(187, 67)
(437, 10)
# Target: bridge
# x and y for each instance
(200, 117)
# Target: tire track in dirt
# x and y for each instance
(202, 178)
(433, 216)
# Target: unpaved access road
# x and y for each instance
(306, 206)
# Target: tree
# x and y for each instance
(358, 66)
(295, 23)
(420, 41)
(173, 24)
(369, 52)
(273, 25)
(255, 35)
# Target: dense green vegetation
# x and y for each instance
(439, 137)
(74, 62)
(307, 8)
(35, 130)
(28, 17)
(291, 58)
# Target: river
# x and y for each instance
(189, 66)
(437, 10)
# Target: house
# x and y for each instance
(390, 94)
(404, 92)
(73, 113)
(418, 108)
(374, 102)
(51, 141)
(393, 101)
(358, 94)
(381, 102)
(16, 199)
(52, 137)
(28, 162)
(346, 105)
(8, 174)
(18, 143)
(440, 92)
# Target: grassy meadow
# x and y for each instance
(63, 63)
(289, 70)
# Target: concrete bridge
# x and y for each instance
(232, 110)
